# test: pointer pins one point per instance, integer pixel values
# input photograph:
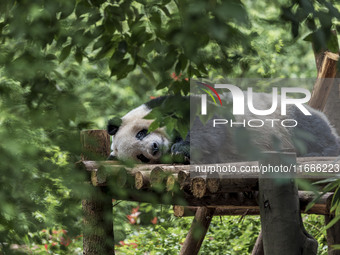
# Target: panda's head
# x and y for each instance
(131, 140)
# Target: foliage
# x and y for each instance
(52, 241)
(226, 235)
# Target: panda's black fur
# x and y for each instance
(215, 147)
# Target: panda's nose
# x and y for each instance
(155, 148)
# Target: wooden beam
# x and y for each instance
(109, 174)
(142, 180)
(305, 197)
(187, 211)
(89, 165)
(172, 183)
(199, 186)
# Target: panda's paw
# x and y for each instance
(180, 152)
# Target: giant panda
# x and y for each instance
(313, 136)
(131, 140)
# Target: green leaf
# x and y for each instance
(156, 19)
(336, 247)
(332, 43)
(329, 180)
(154, 125)
(105, 51)
(306, 185)
(125, 71)
(182, 128)
(166, 11)
(164, 84)
(170, 124)
(332, 222)
(312, 203)
(65, 53)
(335, 201)
(67, 9)
(79, 55)
(97, 3)
(308, 37)
(149, 74)
(82, 7)
(331, 186)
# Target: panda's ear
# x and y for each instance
(113, 125)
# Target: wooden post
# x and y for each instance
(198, 229)
(98, 223)
(97, 206)
(333, 105)
(331, 111)
(333, 233)
(282, 228)
(324, 82)
(95, 144)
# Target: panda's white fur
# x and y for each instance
(216, 145)
(126, 146)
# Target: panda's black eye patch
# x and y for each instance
(142, 158)
(141, 134)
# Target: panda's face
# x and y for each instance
(132, 140)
